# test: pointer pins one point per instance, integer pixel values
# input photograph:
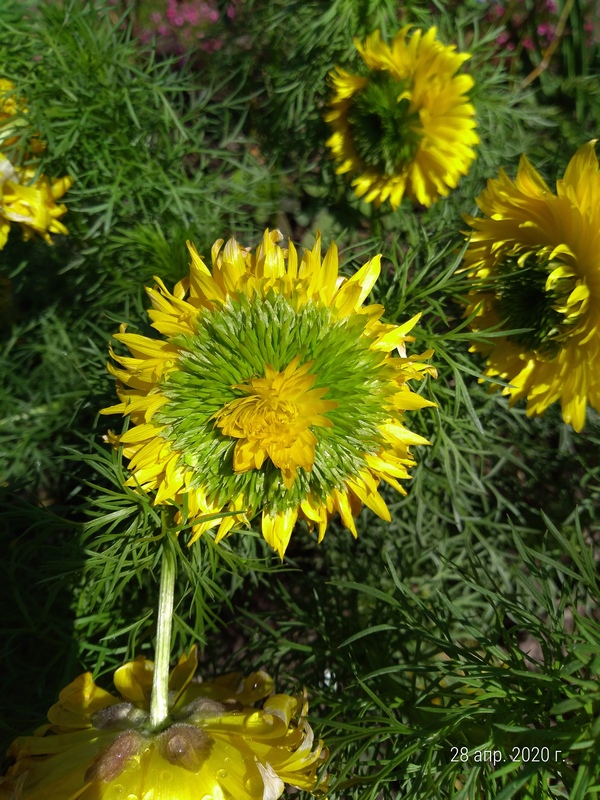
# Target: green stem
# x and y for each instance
(376, 223)
(159, 704)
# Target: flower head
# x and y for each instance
(10, 108)
(9, 105)
(12, 112)
(535, 260)
(25, 198)
(274, 391)
(406, 126)
(217, 742)
(30, 201)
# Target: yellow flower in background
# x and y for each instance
(218, 741)
(30, 202)
(9, 104)
(12, 118)
(274, 391)
(405, 127)
(535, 263)
(10, 109)
(26, 199)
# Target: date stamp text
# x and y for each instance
(526, 755)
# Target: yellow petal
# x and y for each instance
(277, 529)
(372, 499)
(355, 291)
(343, 506)
(134, 681)
(396, 337)
(182, 674)
(78, 701)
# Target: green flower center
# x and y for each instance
(385, 132)
(232, 346)
(524, 302)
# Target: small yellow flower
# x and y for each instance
(25, 199)
(535, 261)
(30, 202)
(12, 112)
(9, 105)
(217, 742)
(275, 391)
(406, 126)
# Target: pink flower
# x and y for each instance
(172, 10)
(528, 43)
(504, 41)
(183, 22)
(546, 29)
(191, 15)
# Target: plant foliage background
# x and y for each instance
(468, 624)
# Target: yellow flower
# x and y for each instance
(406, 127)
(9, 105)
(30, 202)
(535, 260)
(217, 743)
(25, 199)
(12, 112)
(275, 391)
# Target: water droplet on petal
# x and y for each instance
(222, 773)
(115, 791)
(227, 760)
(132, 797)
(166, 776)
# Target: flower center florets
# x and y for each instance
(274, 420)
(543, 295)
(269, 416)
(386, 131)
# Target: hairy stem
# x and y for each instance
(159, 704)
